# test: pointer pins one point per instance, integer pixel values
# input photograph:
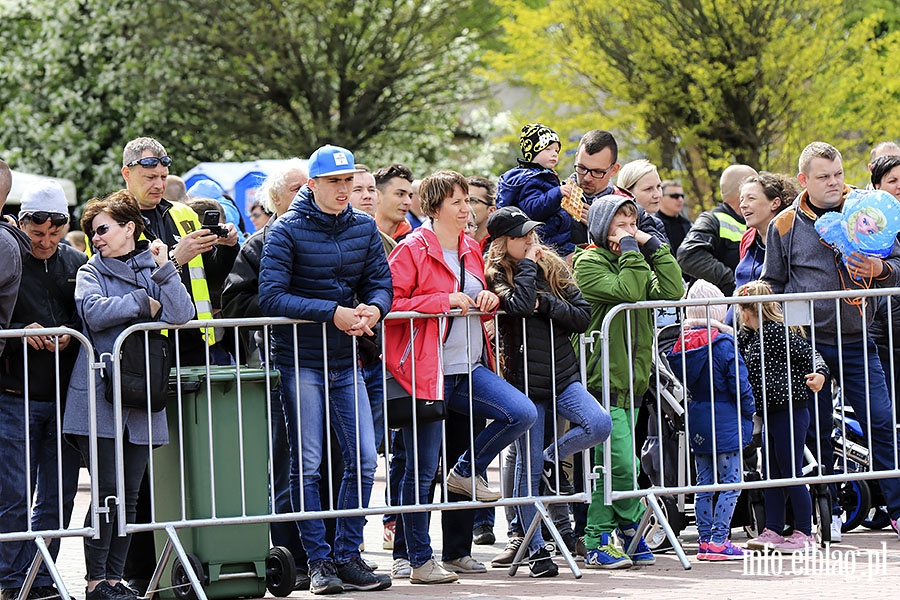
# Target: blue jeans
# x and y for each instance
(427, 444)
(16, 497)
(375, 388)
(512, 413)
(876, 407)
(716, 526)
(303, 398)
(591, 425)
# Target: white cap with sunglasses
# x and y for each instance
(44, 200)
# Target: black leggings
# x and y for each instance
(105, 557)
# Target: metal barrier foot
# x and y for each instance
(543, 516)
(42, 556)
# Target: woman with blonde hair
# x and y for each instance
(641, 179)
(543, 310)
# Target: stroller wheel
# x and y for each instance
(655, 535)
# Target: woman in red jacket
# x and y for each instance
(436, 269)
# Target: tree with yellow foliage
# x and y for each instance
(696, 85)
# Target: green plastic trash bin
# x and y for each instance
(231, 560)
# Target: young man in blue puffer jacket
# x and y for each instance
(323, 261)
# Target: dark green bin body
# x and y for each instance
(229, 548)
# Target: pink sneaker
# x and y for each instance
(796, 543)
(767, 540)
(702, 549)
(726, 551)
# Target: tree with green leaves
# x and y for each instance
(232, 79)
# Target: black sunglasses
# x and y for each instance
(39, 217)
(150, 162)
(104, 229)
(676, 196)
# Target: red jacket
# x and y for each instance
(423, 283)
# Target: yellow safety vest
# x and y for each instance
(729, 228)
(186, 221)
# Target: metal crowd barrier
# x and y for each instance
(191, 412)
(47, 538)
(847, 465)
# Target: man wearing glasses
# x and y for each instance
(204, 261)
(596, 163)
(46, 299)
(671, 213)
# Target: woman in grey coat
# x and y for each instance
(126, 282)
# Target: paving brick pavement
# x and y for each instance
(847, 573)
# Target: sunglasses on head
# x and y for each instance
(39, 217)
(104, 229)
(150, 162)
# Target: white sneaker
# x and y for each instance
(401, 569)
(463, 486)
(836, 529)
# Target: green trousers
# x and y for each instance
(603, 518)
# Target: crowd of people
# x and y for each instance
(340, 246)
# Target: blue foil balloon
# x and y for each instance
(868, 223)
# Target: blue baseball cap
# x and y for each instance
(331, 160)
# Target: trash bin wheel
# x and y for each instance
(281, 572)
(181, 583)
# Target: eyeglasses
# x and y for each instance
(595, 173)
(257, 214)
(150, 162)
(104, 229)
(474, 200)
(676, 196)
(39, 217)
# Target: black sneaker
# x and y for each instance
(569, 540)
(44, 592)
(483, 535)
(541, 565)
(301, 583)
(104, 591)
(357, 576)
(323, 578)
(548, 476)
(126, 590)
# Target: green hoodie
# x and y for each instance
(606, 280)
